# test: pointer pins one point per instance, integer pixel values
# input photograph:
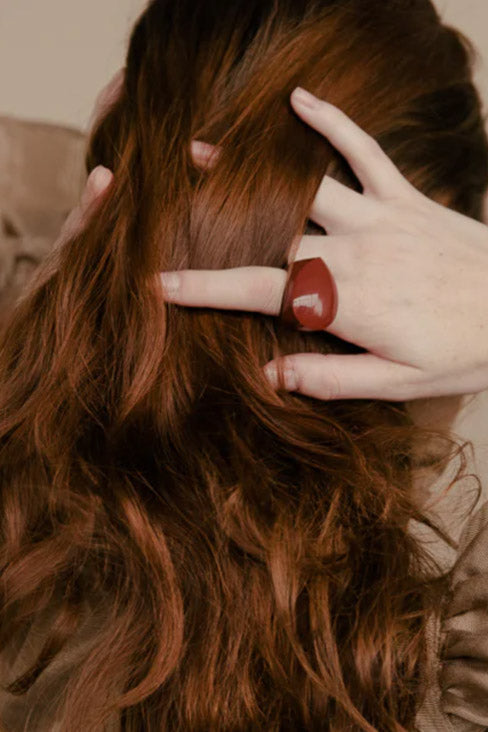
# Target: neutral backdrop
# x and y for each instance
(56, 54)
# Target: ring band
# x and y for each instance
(310, 299)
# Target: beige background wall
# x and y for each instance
(56, 54)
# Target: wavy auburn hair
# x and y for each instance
(246, 553)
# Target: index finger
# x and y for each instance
(373, 168)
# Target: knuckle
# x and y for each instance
(406, 388)
(362, 251)
(260, 292)
(329, 384)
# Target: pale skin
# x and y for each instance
(411, 275)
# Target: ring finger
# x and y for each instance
(254, 289)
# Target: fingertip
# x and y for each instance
(303, 99)
(171, 282)
(99, 180)
(204, 155)
(198, 146)
(289, 380)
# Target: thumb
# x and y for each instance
(336, 376)
(97, 183)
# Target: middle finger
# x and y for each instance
(336, 207)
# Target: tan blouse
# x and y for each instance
(457, 696)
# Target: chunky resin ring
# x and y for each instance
(310, 298)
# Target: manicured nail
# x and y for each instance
(203, 149)
(204, 154)
(99, 179)
(171, 283)
(290, 381)
(305, 99)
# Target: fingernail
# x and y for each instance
(305, 99)
(99, 179)
(203, 153)
(290, 381)
(202, 148)
(171, 283)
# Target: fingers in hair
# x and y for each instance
(375, 171)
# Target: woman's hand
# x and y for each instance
(412, 278)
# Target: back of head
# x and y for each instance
(251, 549)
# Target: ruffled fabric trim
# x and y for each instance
(463, 676)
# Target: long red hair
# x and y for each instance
(246, 553)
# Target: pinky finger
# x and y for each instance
(336, 376)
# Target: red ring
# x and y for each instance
(310, 299)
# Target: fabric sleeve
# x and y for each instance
(464, 629)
